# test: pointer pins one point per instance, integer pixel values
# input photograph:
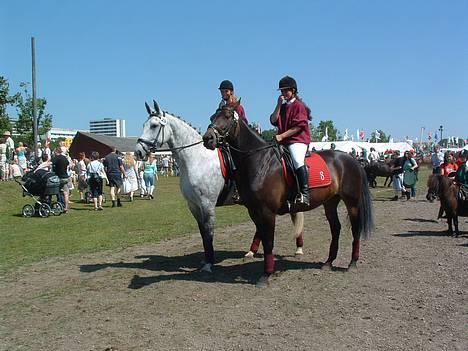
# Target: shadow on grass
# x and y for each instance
(186, 268)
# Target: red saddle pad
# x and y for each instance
(319, 174)
(222, 163)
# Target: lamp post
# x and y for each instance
(441, 129)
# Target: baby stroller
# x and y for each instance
(41, 186)
(88, 197)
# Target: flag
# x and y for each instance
(362, 135)
(390, 140)
(435, 136)
(345, 136)
(377, 135)
(325, 137)
(357, 134)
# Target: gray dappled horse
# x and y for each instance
(201, 181)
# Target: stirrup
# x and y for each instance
(301, 199)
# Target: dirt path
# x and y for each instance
(409, 293)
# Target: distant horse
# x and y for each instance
(265, 192)
(447, 191)
(201, 181)
(378, 169)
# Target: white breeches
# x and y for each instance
(298, 152)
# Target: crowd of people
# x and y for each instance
(88, 174)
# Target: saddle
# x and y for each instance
(226, 197)
(319, 174)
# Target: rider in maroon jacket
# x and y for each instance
(292, 116)
(226, 88)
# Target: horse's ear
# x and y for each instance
(156, 107)
(148, 109)
(237, 104)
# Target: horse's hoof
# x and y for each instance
(264, 281)
(249, 255)
(352, 266)
(327, 266)
(299, 251)
(207, 267)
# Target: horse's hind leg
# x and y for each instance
(331, 212)
(449, 222)
(353, 213)
(455, 223)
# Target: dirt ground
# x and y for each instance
(408, 293)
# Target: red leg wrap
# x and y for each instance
(269, 262)
(255, 245)
(355, 255)
(300, 240)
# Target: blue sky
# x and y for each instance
(391, 65)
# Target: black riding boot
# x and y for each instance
(302, 200)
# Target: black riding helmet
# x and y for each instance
(226, 84)
(288, 82)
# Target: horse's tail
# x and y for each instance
(298, 221)
(366, 211)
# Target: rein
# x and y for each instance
(223, 133)
(153, 145)
(251, 152)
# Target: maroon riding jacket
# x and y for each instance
(294, 115)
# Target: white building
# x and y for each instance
(108, 126)
(56, 133)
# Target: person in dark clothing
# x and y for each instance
(60, 165)
(115, 172)
(397, 168)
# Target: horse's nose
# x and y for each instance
(209, 141)
(139, 154)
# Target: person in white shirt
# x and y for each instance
(373, 155)
(437, 159)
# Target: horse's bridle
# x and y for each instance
(153, 145)
(231, 129)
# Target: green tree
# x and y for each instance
(269, 134)
(383, 137)
(323, 127)
(24, 107)
(5, 100)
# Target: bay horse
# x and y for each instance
(201, 180)
(376, 169)
(447, 191)
(264, 189)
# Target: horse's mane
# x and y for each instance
(255, 132)
(183, 120)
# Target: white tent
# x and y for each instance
(347, 146)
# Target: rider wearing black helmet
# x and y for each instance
(226, 88)
(292, 116)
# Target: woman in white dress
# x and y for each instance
(131, 183)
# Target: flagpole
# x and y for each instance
(34, 104)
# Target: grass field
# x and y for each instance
(28, 240)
